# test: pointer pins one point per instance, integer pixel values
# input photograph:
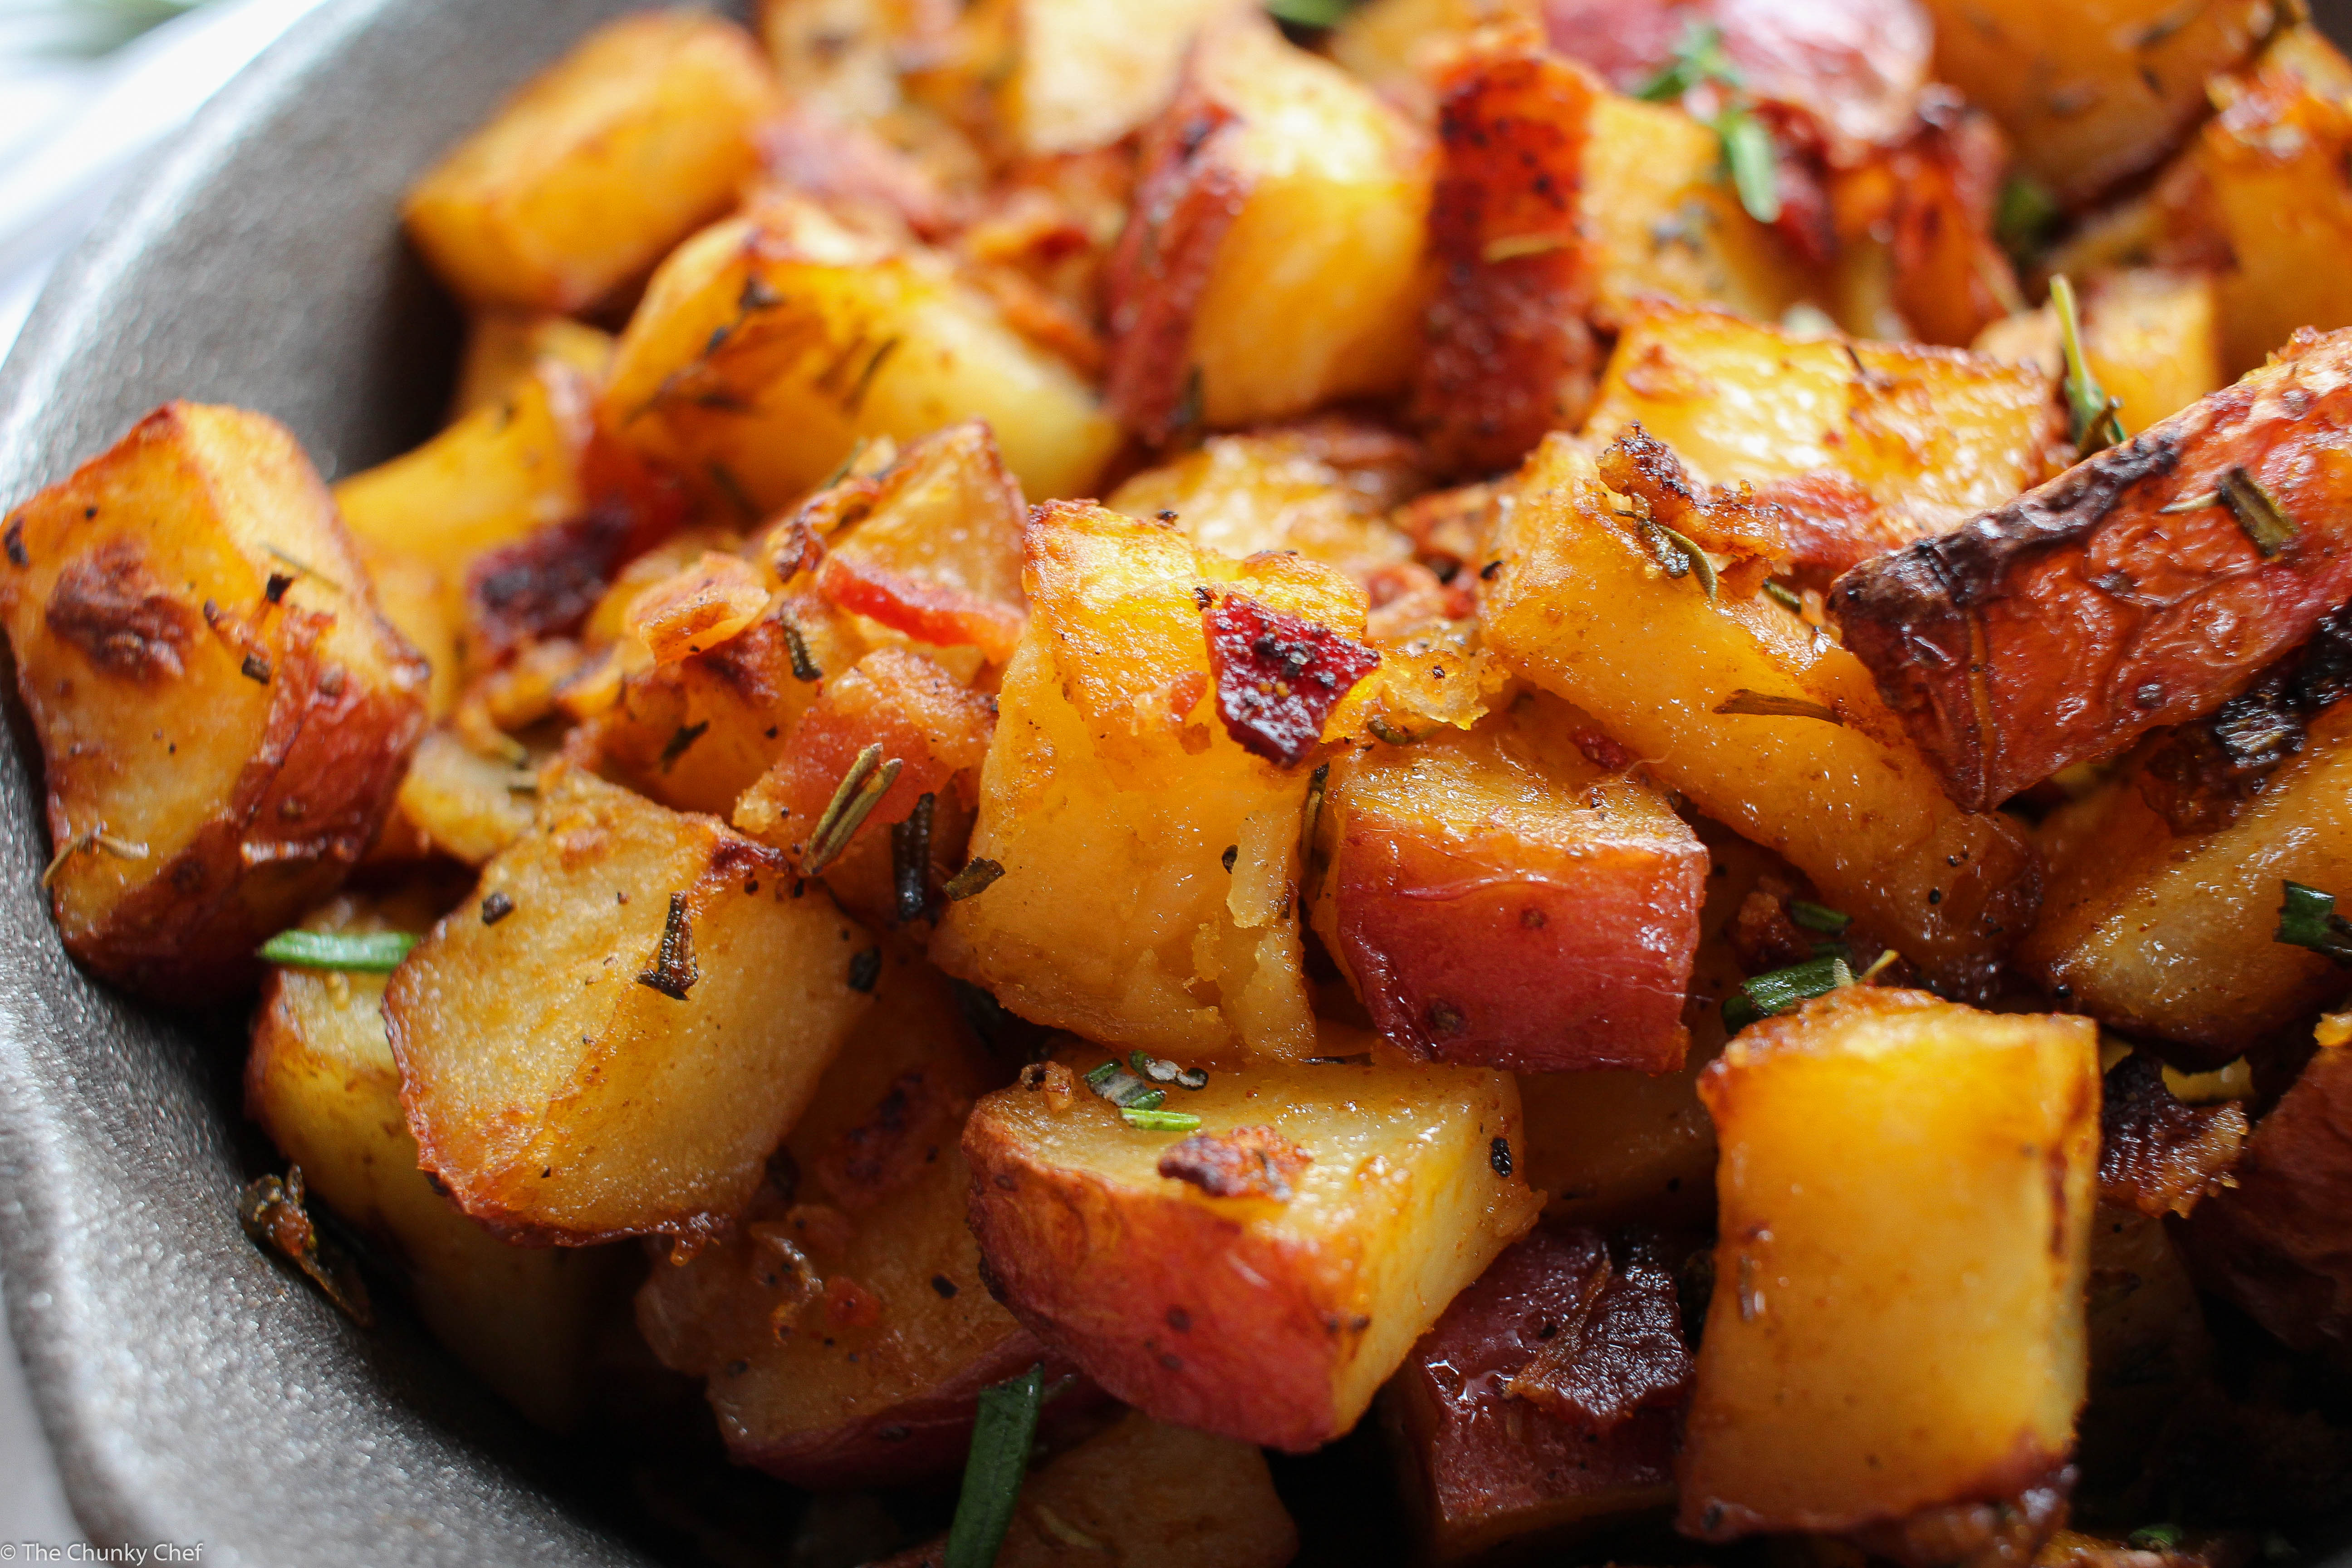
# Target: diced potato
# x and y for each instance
(843, 57)
(1261, 1277)
(770, 344)
(2092, 93)
(1483, 1467)
(599, 166)
(2059, 627)
(1905, 1201)
(1143, 1495)
(416, 600)
(1394, 43)
(459, 803)
(1114, 788)
(1928, 437)
(1277, 260)
(2149, 337)
(503, 349)
(222, 711)
(1579, 606)
(564, 1035)
(845, 1330)
(321, 1083)
(1090, 71)
(1497, 898)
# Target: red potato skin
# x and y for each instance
(1540, 958)
(2058, 628)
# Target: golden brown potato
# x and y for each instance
(1500, 898)
(1260, 1277)
(845, 1330)
(2092, 94)
(598, 167)
(1090, 71)
(458, 803)
(554, 1112)
(2150, 336)
(2126, 594)
(223, 713)
(843, 57)
(1578, 605)
(321, 1083)
(1897, 1320)
(503, 349)
(1275, 261)
(1128, 764)
(770, 344)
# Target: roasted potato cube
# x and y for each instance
(842, 58)
(1897, 1319)
(1496, 897)
(2091, 95)
(2150, 337)
(458, 803)
(503, 349)
(2141, 587)
(1261, 1277)
(599, 166)
(1579, 606)
(1122, 773)
(1275, 260)
(770, 344)
(1088, 72)
(223, 713)
(553, 1112)
(321, 1083)
(845, 1330)
(1484, 1466)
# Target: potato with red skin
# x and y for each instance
(1496, 897)
(221, 730)
(2121, 596)
(1270, 1321)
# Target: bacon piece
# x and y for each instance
(1619, 1352)
(1277, 676)
(2158, 1157)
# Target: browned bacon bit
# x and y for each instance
(1246, 1163)
(543, 584)
(2158, 1157)
(673, 972)
(1619, 1352)
(1278, 676)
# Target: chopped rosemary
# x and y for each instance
(1160, 1070)
(83, 843)
(1511, 247)
(673, 972)
(1764, 705)
(1781, 594)
(869, 778)
(2257, 511)
(2154, 1538)
(355, 952)
(1818, 917)
(2025, 217)
(1002, 1434)
(684, 736)
(1316, 783)
(1749, 154)
(1878, 967)
(1388, 733)
(1146, 1119)
(910, 860)
(804, 666)
(976, 877)
(1678, 555)
(2307, 918)
(1124, 1088)
(1779, 990)
(2090, 412)
(1697, 59)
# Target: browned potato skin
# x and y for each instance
(243, 750)
(2059, 627)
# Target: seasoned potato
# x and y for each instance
(2150, 338)
(1261, 1277)
(458, 803)
(2091, 94)
(768, 345)
(1497, 898)
(845, 1330)
(1897, 1319)
(1276, 262)
(598, 167)
(556, 1112)
(321, 1083)
(1578, 605)
(223, 713)
(1090, 71)
(1124, 770)
(1484, 1465)
(503, 349)
(1143, 1495)
(2061, 626)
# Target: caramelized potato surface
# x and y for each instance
(1261, 1277)
(608, 1037)
(599, 166)
(456, 802)
(1091, 71)
(503, 349)
(1897, 1319)
(222, 713)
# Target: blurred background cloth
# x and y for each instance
(89, 91)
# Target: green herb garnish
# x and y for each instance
(1160, 1070)
(977, 876)
(1779, 990)
(1749, 154)
(910, 860)
(1697, 59)
(869, 778)
(1677, 556)
(1309, 13)
(1156, 1121)
(1818, 917)
(1764, 705)
(2091, 413)
(354, 951)
(1002, 1434)
(2257, 511)
(1783, 596)
(2025, 217)
(2154, 1538)
(2307, 918)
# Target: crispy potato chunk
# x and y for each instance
(1868, 445)
(1273, 1313)
(588, 1048)
(845, 1330)
(1116, 782)
(599, 166)
(1483, 1466)
(2151, 336)
(223, 713)
(321, 1083)
(1090, 71)
(1579, 606)
(1274, 262)
(2061, 626)
(458, 803)
(768, 345)
(1498, 897)
(1897, 1320)
(503, 349)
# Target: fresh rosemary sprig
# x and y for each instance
(1002, 1434)
(355, 952)
(869, 778)
(2307, 918)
